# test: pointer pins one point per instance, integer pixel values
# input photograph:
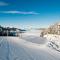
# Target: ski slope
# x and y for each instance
(28, 47)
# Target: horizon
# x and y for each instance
(29, 14)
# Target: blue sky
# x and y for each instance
(29, 13)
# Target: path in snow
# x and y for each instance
(14, 48)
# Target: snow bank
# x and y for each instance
(53, 41)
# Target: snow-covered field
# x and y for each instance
(27, 47)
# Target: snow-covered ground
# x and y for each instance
(28, 47)
(53, 41)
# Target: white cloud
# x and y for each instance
(3, 3)
(19, 12)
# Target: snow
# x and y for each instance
(28, 47)
(53, 41)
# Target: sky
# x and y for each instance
(29, 13)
